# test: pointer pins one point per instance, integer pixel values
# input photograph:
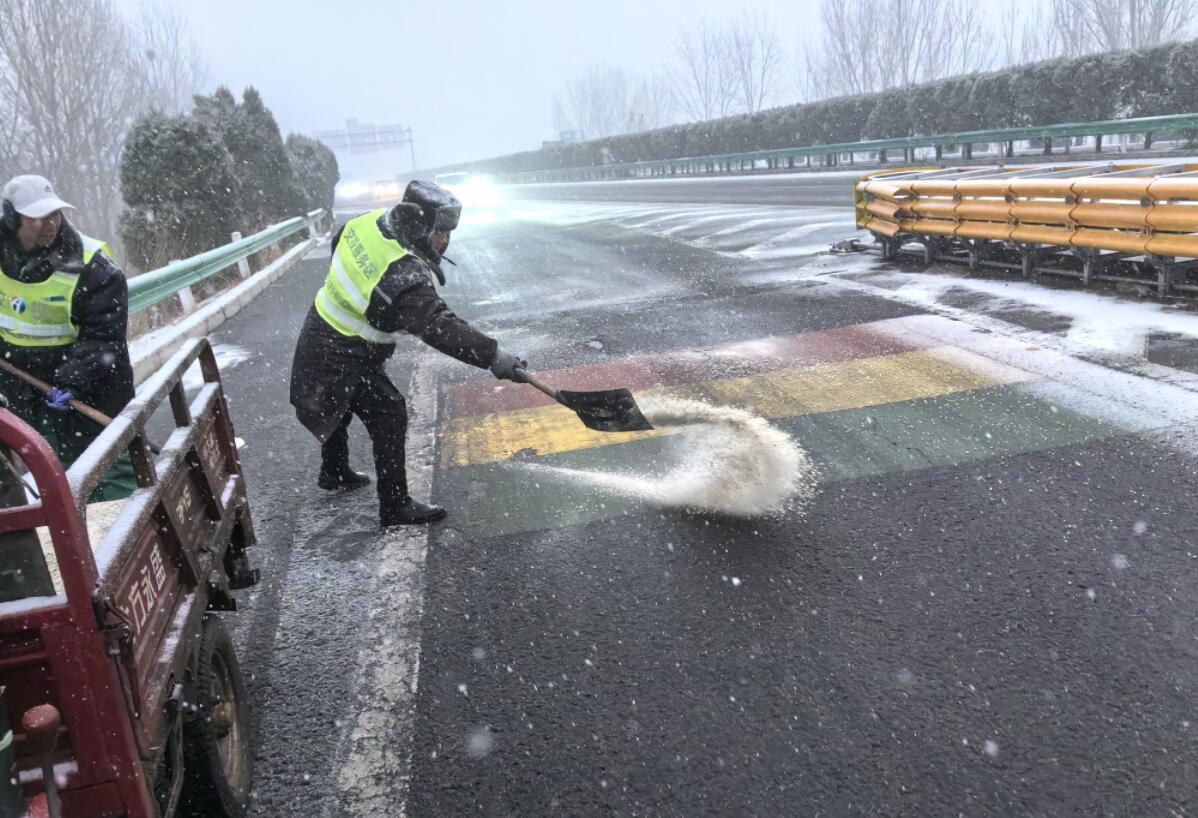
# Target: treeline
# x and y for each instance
(189, 181)
(1113, 85)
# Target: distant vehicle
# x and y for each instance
(471, 189)
(388, 190)
(452, 180)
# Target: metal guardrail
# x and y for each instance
(158, 285)
(1089, 216)
(723, 163)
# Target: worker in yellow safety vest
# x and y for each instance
(64, 309)
(380, 286)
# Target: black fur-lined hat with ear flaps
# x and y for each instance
(442, 210)
(425, 209)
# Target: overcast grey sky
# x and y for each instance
(473, 79)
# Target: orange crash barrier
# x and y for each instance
(1126, 209)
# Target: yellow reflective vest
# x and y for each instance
(363, 255)
(39, 315)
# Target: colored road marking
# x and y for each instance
(853, 384)
(678, 368)
(945, 431)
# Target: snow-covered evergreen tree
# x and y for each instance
(178, 182)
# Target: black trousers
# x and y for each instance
(384, 413)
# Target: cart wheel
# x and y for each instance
(216, 756)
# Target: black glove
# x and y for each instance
(505, 364)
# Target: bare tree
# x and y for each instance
(654, 105)
(172, 67)
(872, 45)
(756, 57)
(1027, 34)
(1086, 26)
(705, 81)
(68, 94)
(606, 101)
(1070, 28)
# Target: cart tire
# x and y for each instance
(216, 752)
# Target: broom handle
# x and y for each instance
(79, 406)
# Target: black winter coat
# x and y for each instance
(96, 367)
(328, 365)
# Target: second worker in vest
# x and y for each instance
(380, 286)
(64, 315)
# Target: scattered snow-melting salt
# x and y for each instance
(720, 459)
(480, 742)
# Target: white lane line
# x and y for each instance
(373, 779)
(783, 244)
(721, 216)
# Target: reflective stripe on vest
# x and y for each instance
(38, 315)
(363, 255)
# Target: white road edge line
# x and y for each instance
(373, 779)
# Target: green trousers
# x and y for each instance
(69, 433)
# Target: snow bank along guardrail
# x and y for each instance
(1006, 139)
(1119, 222)
(149, 351)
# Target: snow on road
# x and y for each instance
(747, 231)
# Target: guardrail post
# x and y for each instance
(1098, 143)
(1166, 273)
(243, 264)
(974, 249)
(187, 299)
(1010, 147)
(1028, 256)
(1147, 140)
(1092, 265)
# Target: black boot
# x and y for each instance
(344, 480)
(410, 512)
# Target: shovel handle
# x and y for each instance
(544, 387)
(37, 383)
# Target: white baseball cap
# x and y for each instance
(33, 196)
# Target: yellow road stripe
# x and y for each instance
(802, 391)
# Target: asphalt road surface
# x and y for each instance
(986, 609)
(820, 189)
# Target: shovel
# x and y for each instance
(608, 410)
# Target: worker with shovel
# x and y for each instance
(64, 311)
(379, 287)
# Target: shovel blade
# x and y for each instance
(609, 410)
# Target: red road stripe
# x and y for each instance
(483, 397)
